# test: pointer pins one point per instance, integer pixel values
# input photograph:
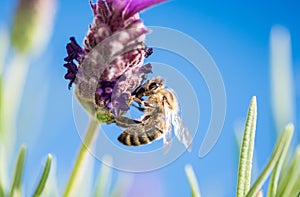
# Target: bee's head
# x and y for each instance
(155, 84)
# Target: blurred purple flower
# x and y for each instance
(110, 65)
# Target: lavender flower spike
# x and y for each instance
(110, 64)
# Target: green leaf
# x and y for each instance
(41, 185)
(2, 193)
(18, 173)
(1, 100)
(192, 180)
(246, 155)
(289, 178)
(272, 190)
(273, 184)
(282, 144)
(281, 76)
(296, 188)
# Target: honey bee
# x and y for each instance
(160, 113)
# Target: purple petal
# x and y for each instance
(104, 92)
(124, 87)
(74, 51)
(71, 67)
(120, 104)
(148, 52)
(136, 6)
(70, 76)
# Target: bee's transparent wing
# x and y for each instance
(181, 131)
(167, 129)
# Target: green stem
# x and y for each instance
(87, 142)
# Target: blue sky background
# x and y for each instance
(236, 34)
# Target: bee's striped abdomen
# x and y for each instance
(136, 136)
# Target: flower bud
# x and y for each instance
(32, 24)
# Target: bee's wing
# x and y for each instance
(142, 133)
(181, 131)
(167, 128)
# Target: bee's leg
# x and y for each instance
(125, 122)
(142, 102)
(139, 107)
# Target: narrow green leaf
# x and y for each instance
(192, 180)
(3, 170)
(296, 188)
(1, 100)
(285, 176)
(41, 185)
(2, 193)
(18, 173)
(281, 76)
(1, 127)
(289, 179)
(246, 154)
(51, 187)
(292, 187)
(272, 190)
(282, 143)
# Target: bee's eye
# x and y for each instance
(153, 86)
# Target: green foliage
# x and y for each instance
(15, 189)
(1, 190)
(289, 184)
(281, 180)
(1, 110)
(32, 25)
(272, 190)
(16, 184)
(246, 155)
(41, 185)
(281, 147)
(105, 118)
(193, 181)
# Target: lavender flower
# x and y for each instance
(110, 65)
